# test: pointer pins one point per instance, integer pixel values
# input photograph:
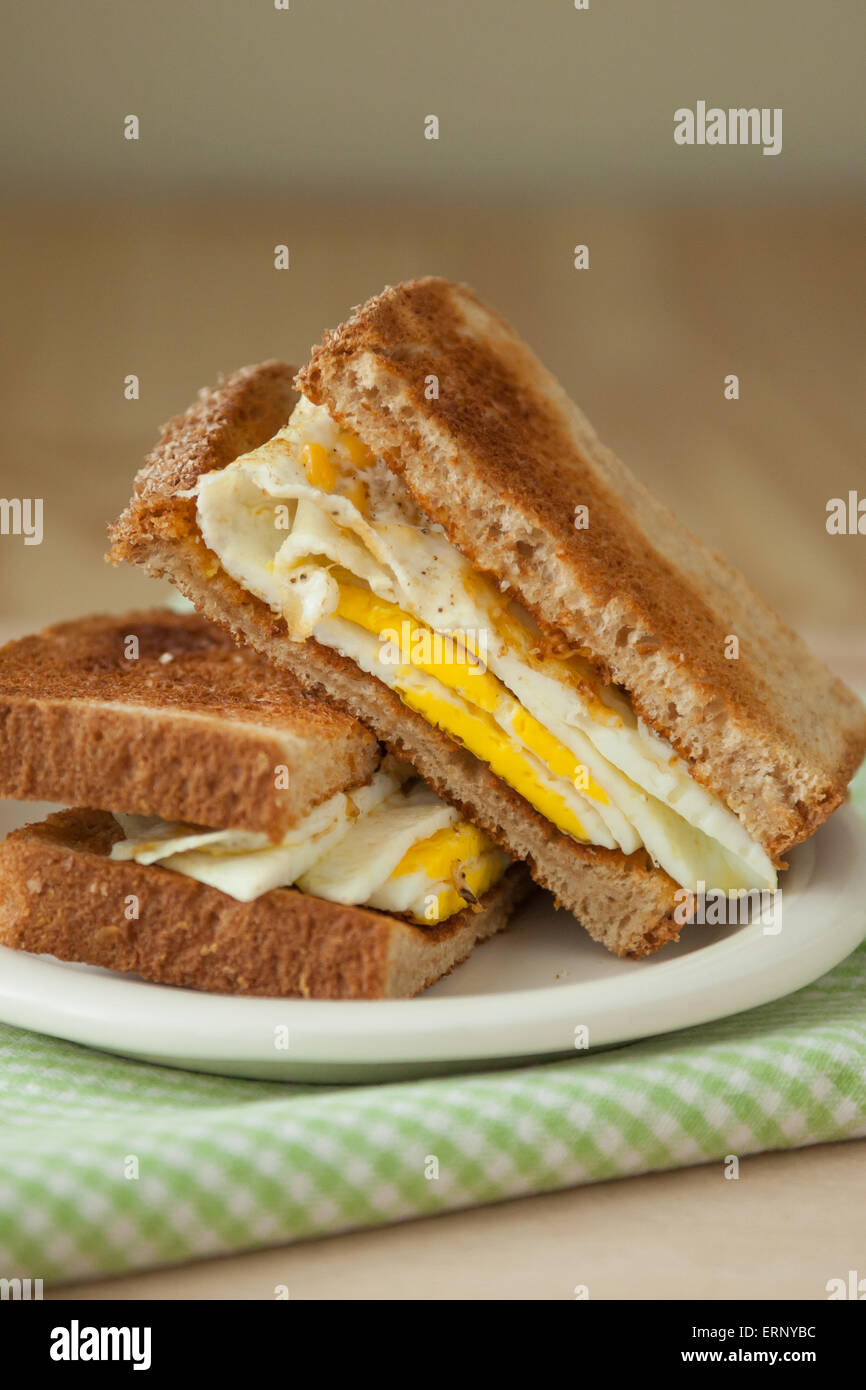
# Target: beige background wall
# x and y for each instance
(306, 127)
(535, 99)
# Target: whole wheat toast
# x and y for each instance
(501, 458)
(160, 713)
(621, 899)
(60, 894)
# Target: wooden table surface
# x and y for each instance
(674, 300)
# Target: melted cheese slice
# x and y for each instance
(357, 566)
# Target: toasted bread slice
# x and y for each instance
(501, 458)
(160, 713)
(61, 895)
(621, 899)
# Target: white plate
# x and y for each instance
(519, 998)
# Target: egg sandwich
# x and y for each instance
(248, 838)
(422, 525)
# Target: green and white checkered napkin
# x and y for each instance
(226, 1165)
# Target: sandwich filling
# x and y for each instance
(392, 845)
(326, 535)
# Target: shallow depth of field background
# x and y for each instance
(306, 127)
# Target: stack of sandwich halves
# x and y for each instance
(472, 648)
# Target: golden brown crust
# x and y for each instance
(251, 404)
(60, 894)
(501, 458)
(238, 414)
(190, 728)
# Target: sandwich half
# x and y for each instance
(246, 838)
(435, 537)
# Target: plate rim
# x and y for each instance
(182, 1027)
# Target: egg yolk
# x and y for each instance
(479, 878)
(472, 722)
(439, 853)
(318, 467)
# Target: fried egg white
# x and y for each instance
(400, 850)
(327, 535)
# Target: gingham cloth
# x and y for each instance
(110, 1165)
